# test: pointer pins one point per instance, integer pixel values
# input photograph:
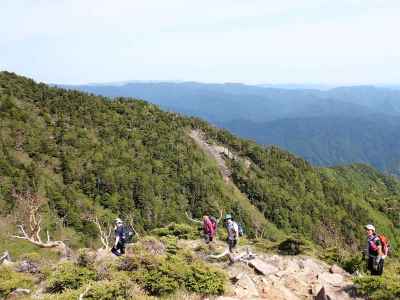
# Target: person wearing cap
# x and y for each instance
(119, 246)
(232, 230)
(374, 251)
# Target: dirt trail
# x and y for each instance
(215, 152)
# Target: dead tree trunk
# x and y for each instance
(29, 206)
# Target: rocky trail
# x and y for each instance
(279, 277)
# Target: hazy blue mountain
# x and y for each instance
(332, 140)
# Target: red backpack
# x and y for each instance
(385, 244)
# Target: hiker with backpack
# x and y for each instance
(232, 229)
(209, 228)
(377, 250)
(120, 238)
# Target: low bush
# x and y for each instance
(203, 279)
(379, 287)
(120, 287)
(68, 276)
(86, 258)
(11, 280)
(181, 231)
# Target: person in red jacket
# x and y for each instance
(208, 229)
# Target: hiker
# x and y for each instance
(233, 231)
(119, 246)
(374, 251)
(209, 228)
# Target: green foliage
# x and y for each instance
(86, 258)
(350, 262)
(379, 287)
(68, 276)
(11, 280)
(118, 288)
(205, 280)
(181, 231)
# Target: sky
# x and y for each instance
(339, 42)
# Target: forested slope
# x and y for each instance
(87, 155)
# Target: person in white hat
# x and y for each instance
(374, 251)
(119, 246)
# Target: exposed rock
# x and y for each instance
(18, 293)
(262, 267)
(245, 287)
(154, 247)
(104, 254)
(332, 279)
(335, 269)
(27, 266)
(322, 295)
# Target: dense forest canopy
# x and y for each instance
(88, 155)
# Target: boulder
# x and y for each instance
(322, 295)
(336, 280)
(17, 293)
(27, 266)
(245, 287)
(335, 269)
(263, 267)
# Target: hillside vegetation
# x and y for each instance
(357, 124)
(86, 155)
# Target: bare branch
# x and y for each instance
(29, 205)
(220, 216)
(133, 227)
(84, 293)
(5, 257)
(105, 234)
(192, 220)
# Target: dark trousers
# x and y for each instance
(232, 244)
(208, 238)
(119, 249)
(376, 268)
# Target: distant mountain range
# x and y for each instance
(326, 126)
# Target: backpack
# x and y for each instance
(128, 234)
(385, 244)
(240, 229)
(214, 223)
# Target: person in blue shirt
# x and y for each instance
(119, 245)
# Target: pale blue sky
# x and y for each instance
(251, 41)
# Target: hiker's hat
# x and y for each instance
(228, 216)
(370, 227)
(118, 221)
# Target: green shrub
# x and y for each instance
(167, 277)
(170, 243)
(354, 264)
(120, 287)
(181, 231)
(11, 280)
(69, 276)
(85, 258)
(159, 282)
(291, 246)
(379, 287)
(203, 279)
